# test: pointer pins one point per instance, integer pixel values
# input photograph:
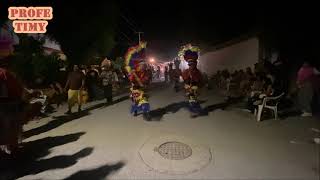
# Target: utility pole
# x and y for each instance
(139, 34)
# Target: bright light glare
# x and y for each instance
(152, 60)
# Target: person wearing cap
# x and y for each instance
(108, 78)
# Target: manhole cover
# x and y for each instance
(174, 150)
(166, 154)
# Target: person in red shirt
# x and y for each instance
(307, 84)
(11, 112)
(10, 86)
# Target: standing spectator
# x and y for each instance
(92, 83)
(171, 72)
(305, 82)
(150, 74)
(58, 95)
(217, 79)
(74, 85)
(166, 74)
(119, 78)
(158, 72)
(11, 112)
(177, 73)
(206, 80)
(108, 77)
(176, 78)
(84, 69)
(281, 75)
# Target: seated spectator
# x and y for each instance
(206, 80)
(225, 75)
(246, 81)
(216, 78)
(257, 84)
(249, 73)
(233, 86)
(58, 94)
(257, 98)
(36, 97)
(270, 76)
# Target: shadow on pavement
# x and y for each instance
(289, 113)
(58, 121)
(27, 162)
(216, 106)
(223, 105)
(97, 173)
(157, 114)
(104, 105)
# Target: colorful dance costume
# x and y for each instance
(139, 78)
(192, 77)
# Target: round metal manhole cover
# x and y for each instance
(174, 150)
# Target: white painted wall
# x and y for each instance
(234, 57)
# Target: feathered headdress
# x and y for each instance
(135, 55)
(189, 53)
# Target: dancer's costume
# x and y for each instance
(139, 78)
(192, 76)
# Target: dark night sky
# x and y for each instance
(169, 24)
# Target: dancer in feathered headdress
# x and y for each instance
(135, 60)
(192, 76)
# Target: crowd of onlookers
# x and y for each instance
(42, 93)
(22, 101)
(269, 80)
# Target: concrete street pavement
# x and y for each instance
(107, 142)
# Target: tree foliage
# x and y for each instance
(118, 63)
(29, 60)
(82, 28)
(85, 31)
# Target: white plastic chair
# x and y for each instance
(274, 108)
